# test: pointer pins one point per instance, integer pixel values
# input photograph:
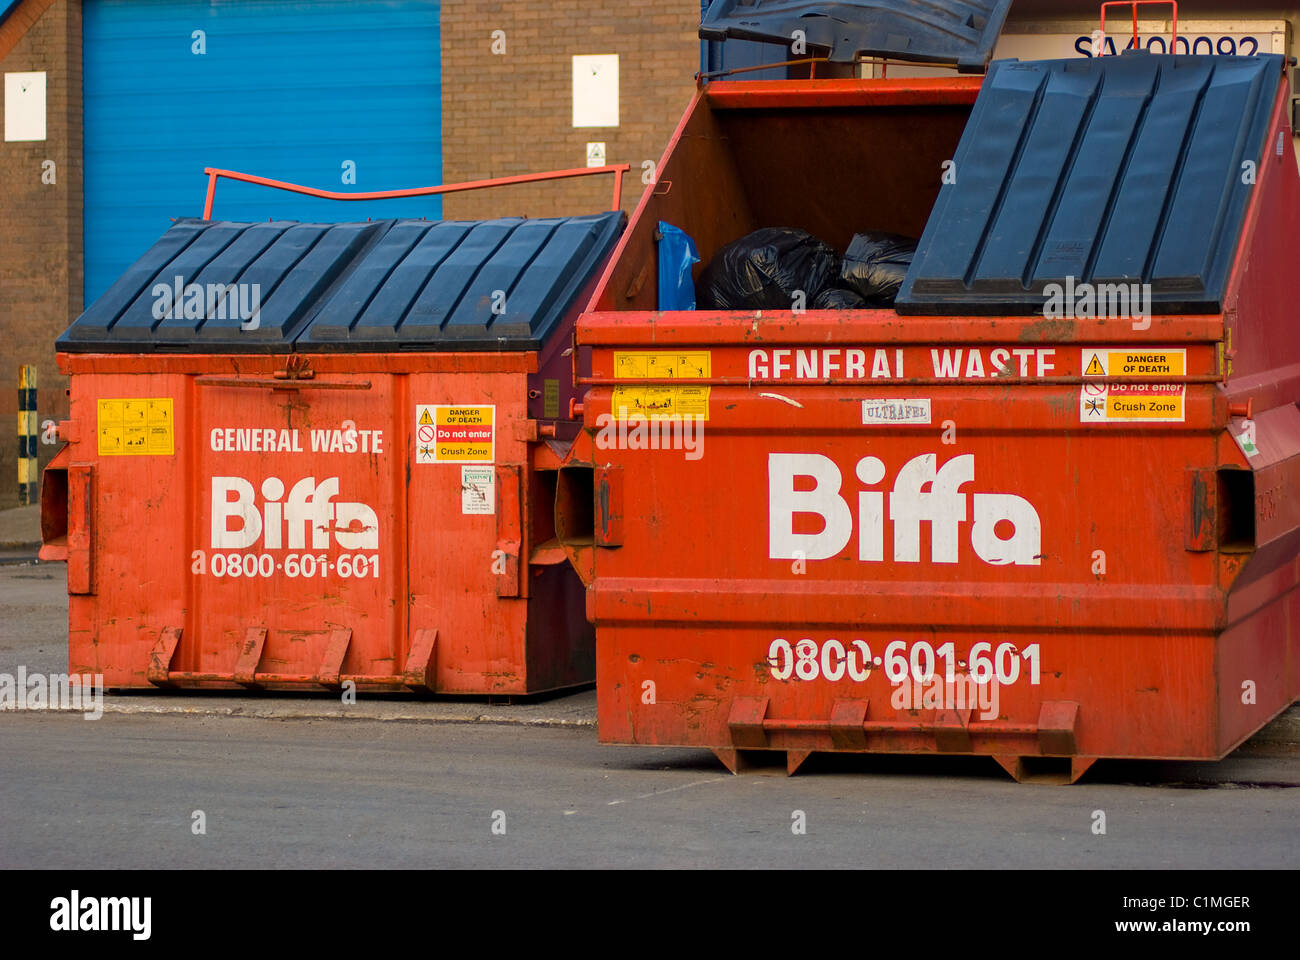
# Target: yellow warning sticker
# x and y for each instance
(655, 365)
(1132, 403)
(455, 433)
(657, 402)
(136, 428)
(1113, 362)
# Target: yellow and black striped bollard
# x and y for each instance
(27, 473)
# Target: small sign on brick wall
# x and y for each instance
(25, 106)
(595, 90)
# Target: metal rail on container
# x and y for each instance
(214, 173)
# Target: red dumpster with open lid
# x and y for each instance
(311, 454)
(1043, 508)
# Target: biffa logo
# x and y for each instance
(354, 525)
(943, 506)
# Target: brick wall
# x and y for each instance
(512, 114)
(40, 224)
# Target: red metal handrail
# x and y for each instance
(1134, 4)
(714, 74)
(214, 173)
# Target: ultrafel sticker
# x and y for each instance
(136, 428)
(661, 400)
(894, 412)
(455, 433)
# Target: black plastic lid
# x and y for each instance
(386, 285)
(457, 285)
(1107, 170)
(962, 32)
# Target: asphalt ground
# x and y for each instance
(281, 781)
(127, 791)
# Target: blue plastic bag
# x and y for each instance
(676, 255)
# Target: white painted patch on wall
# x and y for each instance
(595, 90)
(25, 106)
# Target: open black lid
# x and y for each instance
(1108, 170)
(961, 32)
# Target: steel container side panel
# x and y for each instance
(1262, 335)
(456, 571)
(1110, 488)
(1139, 696)
(418, 558)
(140, 581)
(880, 329)
(1259, 655)
(1258, 664)
(322, 506)
(1133, 644)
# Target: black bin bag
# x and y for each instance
(764, 269)
(837, 298)
(875, 266)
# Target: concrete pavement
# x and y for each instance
(127, 791)
(20, 533)
(20, 527)
(419, 783)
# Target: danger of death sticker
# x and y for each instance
(1115, 397)
(1104, 402)
(455, 434)
(1114, 363)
